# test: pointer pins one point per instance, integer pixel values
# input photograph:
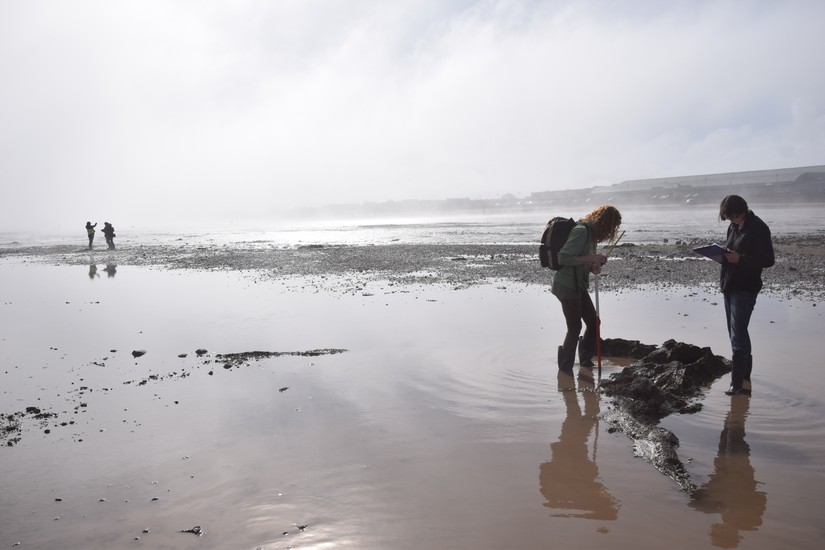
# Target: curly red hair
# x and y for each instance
(605, 220)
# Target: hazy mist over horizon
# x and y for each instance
(163, 113)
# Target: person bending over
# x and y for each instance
(578, 259)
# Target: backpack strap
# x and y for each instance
(575, 267)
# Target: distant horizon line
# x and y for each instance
(741, 174)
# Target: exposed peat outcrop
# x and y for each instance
(671, 378)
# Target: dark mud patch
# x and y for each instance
(11, 424)
(14, 424)
(671, 378)
(240, 359)
(196, 530)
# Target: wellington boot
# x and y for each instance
(737, 374)
(566, 357)
(747, 387)
(585, 354)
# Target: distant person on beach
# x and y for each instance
(578, 259)
(90, 231)
(749, 251)
(109, 233)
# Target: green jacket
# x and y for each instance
(570, 281)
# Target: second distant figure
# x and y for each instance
(109, 233)
(578, 259)
(90, 231)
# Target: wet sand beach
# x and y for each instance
(409, 398)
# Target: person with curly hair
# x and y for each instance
(578, 259)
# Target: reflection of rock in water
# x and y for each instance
(570, 480)
(662, 381)
(731, 490)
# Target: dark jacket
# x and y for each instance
(753, 243)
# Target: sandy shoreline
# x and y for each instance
(798, 272)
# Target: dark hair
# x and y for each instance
(605, 219)
(732, 205)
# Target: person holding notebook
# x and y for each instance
(749, 250)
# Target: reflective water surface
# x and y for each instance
(642, 225)
(444, 425)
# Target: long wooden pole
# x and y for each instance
(598, 315)
(598, 330)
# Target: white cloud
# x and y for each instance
(157, 110)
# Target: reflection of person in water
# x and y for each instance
(110, 270)
(731, 489)
(569, 481)
(93, 271)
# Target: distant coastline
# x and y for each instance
(787, 186)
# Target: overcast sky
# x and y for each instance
(149, 111)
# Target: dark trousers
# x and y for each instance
(575, 311)
(738, 308)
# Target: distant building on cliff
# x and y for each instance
(783, 185)
(803, 185)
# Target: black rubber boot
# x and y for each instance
(747, 387)
(566, 358)
(585, 354)
(737, 375)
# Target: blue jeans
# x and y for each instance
(738, 308)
